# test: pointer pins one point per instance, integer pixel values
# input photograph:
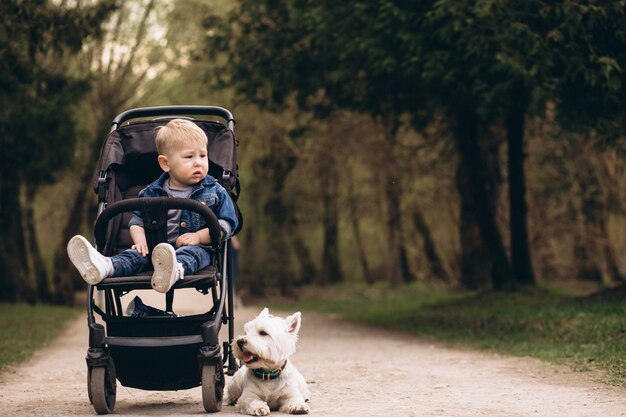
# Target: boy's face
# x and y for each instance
(187, 165)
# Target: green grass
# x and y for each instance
(583, 333)
(24, 328)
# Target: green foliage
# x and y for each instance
(37, 93)
(590, 59)
(381, 56)
(582, 332)
(23, 329)
(329, 54)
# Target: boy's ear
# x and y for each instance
(163, 163)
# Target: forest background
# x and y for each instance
(479, 144)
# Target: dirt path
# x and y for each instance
(352, 370)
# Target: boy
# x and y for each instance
(183, 156)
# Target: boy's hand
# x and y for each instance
(188, 239)
(141, 248)
(138, 235)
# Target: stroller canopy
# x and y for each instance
(132, 149)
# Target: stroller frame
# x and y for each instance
(161, 353)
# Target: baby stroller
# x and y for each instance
(158, 350)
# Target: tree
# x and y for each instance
(37, 124)
(588, 77)
(285, 49)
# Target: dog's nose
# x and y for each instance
(241, 342)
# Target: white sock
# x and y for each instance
(108, 267)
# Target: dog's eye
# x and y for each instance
(263, 333)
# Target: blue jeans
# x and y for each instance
(129, 262)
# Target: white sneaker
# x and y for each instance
(166, 269)
(92, 265)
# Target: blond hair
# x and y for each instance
(178, 132)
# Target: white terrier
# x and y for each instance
(269, 380)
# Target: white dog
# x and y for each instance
(268, 380)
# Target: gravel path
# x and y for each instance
(352, 370)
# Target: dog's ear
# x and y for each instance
(293, 323)
(265, 312)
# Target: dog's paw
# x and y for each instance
(301, 408)
(261, 410)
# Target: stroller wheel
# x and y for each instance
(102, 388)
(212, 387)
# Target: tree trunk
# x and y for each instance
(331, 268)
(353, 213)
(436, 265)
(475, 264)
(472, 161)
(14, 271)
(10, 271)
(276, 241)
(405, 267)
(601, 265)
(252, 266)
(308, 270)
(41, 275)
(613, 272)
(520, 249)
(585, 265)
(393, 232)
(398, 269)
(587, 252)
(594, 254)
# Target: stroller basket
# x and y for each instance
(173, 366)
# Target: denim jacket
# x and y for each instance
(209, 192)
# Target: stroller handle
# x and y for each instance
(174, 111)
(173, 203)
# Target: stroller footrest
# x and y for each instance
(153, 341)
